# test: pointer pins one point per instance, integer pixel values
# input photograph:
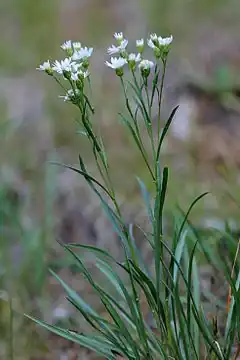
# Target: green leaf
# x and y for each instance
(100, 345)
(147, 200)
(158, 228)
(178, 254)
(192, 270)
(86, 176)
(165, 130)
(189, 211)
(93, 249)
(231, 312)
(141, 104)
(110, 273)
(73, 295)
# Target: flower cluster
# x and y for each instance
(73, 68)
(117, 63)
(160, 46)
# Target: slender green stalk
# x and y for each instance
(146, 114)
(59, 83)
(150, 125)
(160, 96)
(139, 138)
(148, 99)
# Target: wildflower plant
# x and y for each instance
(170, 290)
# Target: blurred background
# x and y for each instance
(40, 203)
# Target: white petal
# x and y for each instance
(113, 50)
(74, 76)
(134, 57)
(116, 63)
(44, 66)
(123, 44)
(82, 53)
(146, 64)
(165, 41)
(151, 44)
(118, 36)
(66, 45)
(140, 42)
(153, 36)
(77, 45)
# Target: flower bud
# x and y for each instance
(140, 46)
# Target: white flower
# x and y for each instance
(123, 44)
(118, 36)
(83, 53)
(67, 45)
(151, 44)
(153, 37)
(45, 66)
(165, 41)
(80, 75)
(83, 74)
(132, 60)
(158, 42)
(77, 46)
(74, 76)
(116, 63)
(70, 95)
(75, 67)
(113, 50)
(140, 43)
(146, 65)
(134, 57)
(63, 65)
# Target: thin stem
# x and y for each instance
(150, 132)
(148, 114)
(140, 143)
(104, 178)
(108, 180)
(155, 81)
(90, 86)
(148, 99)
(148, 120)
(160, 97)
(59, 83)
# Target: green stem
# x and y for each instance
(104, 177)
(155, 81)
(149, 122)
(59, 83)
(150, 132)
(148, 99)
(160, 98)
(90, 86)
(140, 143)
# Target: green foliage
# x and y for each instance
(170, 291)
